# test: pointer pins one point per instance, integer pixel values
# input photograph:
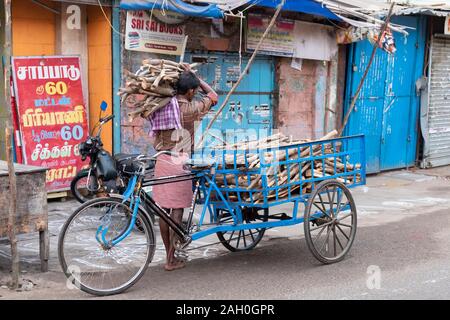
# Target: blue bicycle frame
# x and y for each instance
(349, 151)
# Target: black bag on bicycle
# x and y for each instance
(127, 166)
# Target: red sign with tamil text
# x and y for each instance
(52, 115)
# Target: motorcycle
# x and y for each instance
(106, 174)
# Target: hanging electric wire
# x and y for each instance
(109, 21)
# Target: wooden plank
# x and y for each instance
(44, 249)
(12, 198)
(19, 168)
(12, 178)
(56, 195)
(23, 226)
(32, 210)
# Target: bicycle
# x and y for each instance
(107, 244)
(111, 222)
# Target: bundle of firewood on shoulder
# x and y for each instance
(156, 82)
(278, 172)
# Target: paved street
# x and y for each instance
(401, 251)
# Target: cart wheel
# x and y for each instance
(330, 221)
(241, 240)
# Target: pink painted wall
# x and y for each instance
(310, 100)
(295, 113)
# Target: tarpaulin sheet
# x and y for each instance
(213, 11)
(209, 11)
(305, 6)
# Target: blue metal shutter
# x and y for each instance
(387, 107)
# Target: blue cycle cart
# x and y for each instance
(241, 191)
(240, 214)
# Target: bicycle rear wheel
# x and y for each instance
(242, 240)
(95, 268)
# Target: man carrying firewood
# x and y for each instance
(173, 130)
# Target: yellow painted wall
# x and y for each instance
(100, 68)
(33, 29)
(34, 33)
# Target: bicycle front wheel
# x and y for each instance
(95, 268)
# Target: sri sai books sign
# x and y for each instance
(144, 32)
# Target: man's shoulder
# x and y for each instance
(182, 100)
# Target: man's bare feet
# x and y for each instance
(175, 265)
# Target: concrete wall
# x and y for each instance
(295, 114)
(92, 41)
(33, 33)
(309, 102)
(134, 135)
(338, 111)
(310, 99)
(38, 31)
(34, 29)
(203, 37)
(71, 37)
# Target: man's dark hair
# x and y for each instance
(187, 81)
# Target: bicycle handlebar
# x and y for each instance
(104, 120)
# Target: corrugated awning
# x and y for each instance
(381, 7)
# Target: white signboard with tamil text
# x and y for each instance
(290, 38)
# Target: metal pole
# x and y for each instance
(183, 49)
(117, 74)
(9, 149)
(250, 61)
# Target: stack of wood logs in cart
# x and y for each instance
(281, 174)
(155, 82)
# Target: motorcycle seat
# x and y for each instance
(125, 156)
